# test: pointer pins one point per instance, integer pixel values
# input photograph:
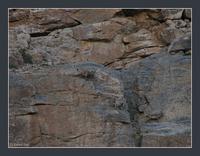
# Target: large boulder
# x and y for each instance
(104, 31)
(182, 43)
(41, 22)
(172, 13)
(162, 91)
(88, 16)
(72, 106)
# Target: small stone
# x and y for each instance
(182, 43)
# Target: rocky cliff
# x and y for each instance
(100, 77)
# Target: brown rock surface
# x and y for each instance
(86, 16)
(77, 105)
(100, 77)
(104, 31)
(40, 22)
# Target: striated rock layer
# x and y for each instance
(99, 77)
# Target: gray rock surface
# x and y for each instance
(162, 92)
(182, 43)
(69, 105)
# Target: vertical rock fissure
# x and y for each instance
(131, 99)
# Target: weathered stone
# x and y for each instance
(19, 87)
(182, 43)
(15, 60)
(179, 68)
(88, 16)
(61, 95)
(76, 105)
(167, 32)
(139, 36)
(176, 23)
(18, 14)
(146, 20)
(60, 48)
(130, 59)
(56, 48)
(128, 26)
(167, 134)
(19, 39)
(172, 13)
(104, 53)
(140, 40)
(104, 31)
(162, 92)
(42, 22)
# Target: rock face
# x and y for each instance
(70, 105)
(100, 78)
(161, 93)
